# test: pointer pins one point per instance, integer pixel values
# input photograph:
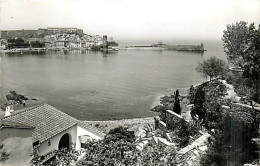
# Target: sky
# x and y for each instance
(132, 19)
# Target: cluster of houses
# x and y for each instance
(56, 38)
(70, 40)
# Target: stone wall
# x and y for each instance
(172, 119)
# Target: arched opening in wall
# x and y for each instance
(65, 141)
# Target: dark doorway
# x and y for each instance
(64, 141)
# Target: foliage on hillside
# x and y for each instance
(232, 130)
(207, 100)
(112, 43)
(242, 47)
(63, 157)
(119, 148)
(177, 105)
(182, 132)
(232, 141)
(17, 43)
(95, 48)
(36, 44)
(171, 102)
(212, 67)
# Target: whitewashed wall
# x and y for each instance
(44, 148)
(80, 132)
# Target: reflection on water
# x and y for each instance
(96, 85)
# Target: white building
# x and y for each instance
(89, 43)
(3, 43)
(74, 44)
(98, 42)
(53, 129)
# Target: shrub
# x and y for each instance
(212, 67)
(4, 156)
(120, 133)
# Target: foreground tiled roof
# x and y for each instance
(91, 129)
(47, 121)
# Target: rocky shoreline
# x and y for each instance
(132, 124)
(136, 124)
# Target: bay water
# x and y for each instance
(92, 85)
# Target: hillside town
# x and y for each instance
(53, 39)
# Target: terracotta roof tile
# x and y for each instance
(46, 120)
(92, 129)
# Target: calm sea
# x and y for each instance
(97, 86)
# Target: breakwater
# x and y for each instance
(161, 46)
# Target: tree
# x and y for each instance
(235, 41)
(157, 155)
(242, 47)
(215, 155)
(213, 116)
(177, 94)
(207, 103)
(233, 129)
(191, 94)
(120, 133)
(251, 58)
(232, 141)
(244, 128)
(36, 44)
(198, 108)
(17, 43)
(184, 133)
(215, 90)
(212, 67)
(177, 106)
(239, 40)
